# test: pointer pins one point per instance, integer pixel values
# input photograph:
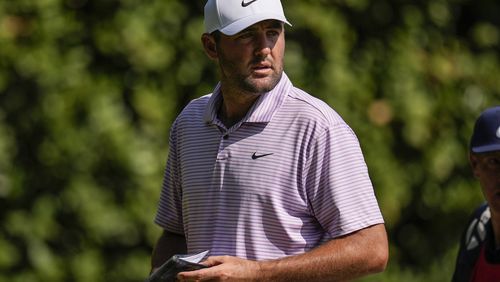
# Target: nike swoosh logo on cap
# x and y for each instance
(244, 4)
(255, 156)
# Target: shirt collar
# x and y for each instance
(262, 110)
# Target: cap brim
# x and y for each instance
(486, 148)
(240, 25)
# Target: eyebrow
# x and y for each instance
(489, 154)
(273, 24)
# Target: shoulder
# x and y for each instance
(312, 108)
(476, 231)
(192, 114)
(326, 121)
(196, 106)
(473, 238)
(194, 110)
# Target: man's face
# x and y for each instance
(486, 168)
(252, 60)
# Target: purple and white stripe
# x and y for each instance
(310, 183)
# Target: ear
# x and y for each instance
(473, 161)
(209, 45)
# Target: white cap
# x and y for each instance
(233, 16)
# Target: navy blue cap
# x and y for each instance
(486, 135)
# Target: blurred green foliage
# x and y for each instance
(89, 89)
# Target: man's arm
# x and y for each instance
(167, 245)
(345, 258)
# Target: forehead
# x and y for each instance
(489, 154)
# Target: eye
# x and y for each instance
(493, 162)
(273, 33)
(245, 35)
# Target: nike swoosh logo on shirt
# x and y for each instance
(255, 156)
(244, 4)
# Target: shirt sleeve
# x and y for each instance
(169, 213)
(339, 189)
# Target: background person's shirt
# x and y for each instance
(478, 258)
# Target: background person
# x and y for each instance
(479, 254)
(268, 178)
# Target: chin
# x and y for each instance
(261, 85)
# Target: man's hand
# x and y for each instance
(224, 268)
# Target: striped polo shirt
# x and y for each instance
(286, 178)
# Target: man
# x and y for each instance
(269, 179)
(479, 254)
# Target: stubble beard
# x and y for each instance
(246, 83)
(251, 85)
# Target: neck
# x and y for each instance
(235, 106)
(495, 222)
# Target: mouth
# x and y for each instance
(261, 68)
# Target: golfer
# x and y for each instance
(266, 177)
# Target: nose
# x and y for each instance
(263, 45)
